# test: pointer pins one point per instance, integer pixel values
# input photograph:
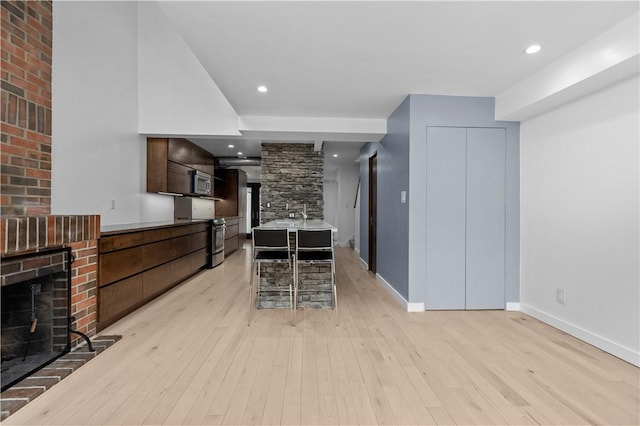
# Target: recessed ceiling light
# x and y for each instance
(534, 48)
(231, 146)
(335, 155)
(239, 153)
(262, 89)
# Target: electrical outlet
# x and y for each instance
(560, 296)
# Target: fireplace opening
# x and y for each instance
(35, 311)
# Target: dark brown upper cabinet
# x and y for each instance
(171, 163)
(220, 184)
(234, 202)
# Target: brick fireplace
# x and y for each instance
(30, 234)
(25, 157)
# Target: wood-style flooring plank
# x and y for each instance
(188, 357)
(291, 406)
(272, 412)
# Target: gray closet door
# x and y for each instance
(445, 239)
(485, 219)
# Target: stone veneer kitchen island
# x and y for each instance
(314, 288)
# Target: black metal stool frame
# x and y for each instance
(316, 246)
(270, 246)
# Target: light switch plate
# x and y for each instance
(403, 197)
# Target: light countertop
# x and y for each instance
(293, 225)
(144, 226)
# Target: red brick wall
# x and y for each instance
(83, 286)
(25, 150)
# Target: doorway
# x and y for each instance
(373, 203)
(254, 218)
(330, 189)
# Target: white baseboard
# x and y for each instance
(603, 343)
(357, 250)
(512, 306)
(365, 264)
(410, 307)
(415, 307)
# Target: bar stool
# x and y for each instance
(316, 246)
(270, 246)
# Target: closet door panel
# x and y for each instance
(485, 218)
(445, 239)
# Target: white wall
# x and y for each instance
(347, 178)
(97, 153)
(580, 218)
(330, 195)
(339, 188)
(177, 95)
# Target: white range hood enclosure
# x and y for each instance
(193, 208)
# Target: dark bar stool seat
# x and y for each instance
(316, 246)
(270, 246)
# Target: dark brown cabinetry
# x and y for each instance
(171, 163)
(138, 265)
(178, 178)
(234, 202)
(232, 238)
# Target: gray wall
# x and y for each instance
(291, 174)
(402, 166)
(459, 111)
(393, 217)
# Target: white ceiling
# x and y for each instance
(347, 153)
(359, 59)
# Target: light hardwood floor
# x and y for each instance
(189, 358)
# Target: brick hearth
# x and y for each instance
(30, 388)
(23, 234)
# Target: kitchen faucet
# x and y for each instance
(304, 212)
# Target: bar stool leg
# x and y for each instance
(335, 291)
(250, 292)
(293, 319)
(295, 289)
(258, 285)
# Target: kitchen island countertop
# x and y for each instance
(293, 225)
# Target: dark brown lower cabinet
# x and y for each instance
(136, 266)
(118, 299)
(232, 235)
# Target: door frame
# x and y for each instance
(373, 212)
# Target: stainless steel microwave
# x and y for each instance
(201, 183)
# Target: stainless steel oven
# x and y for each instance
(216, 257)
